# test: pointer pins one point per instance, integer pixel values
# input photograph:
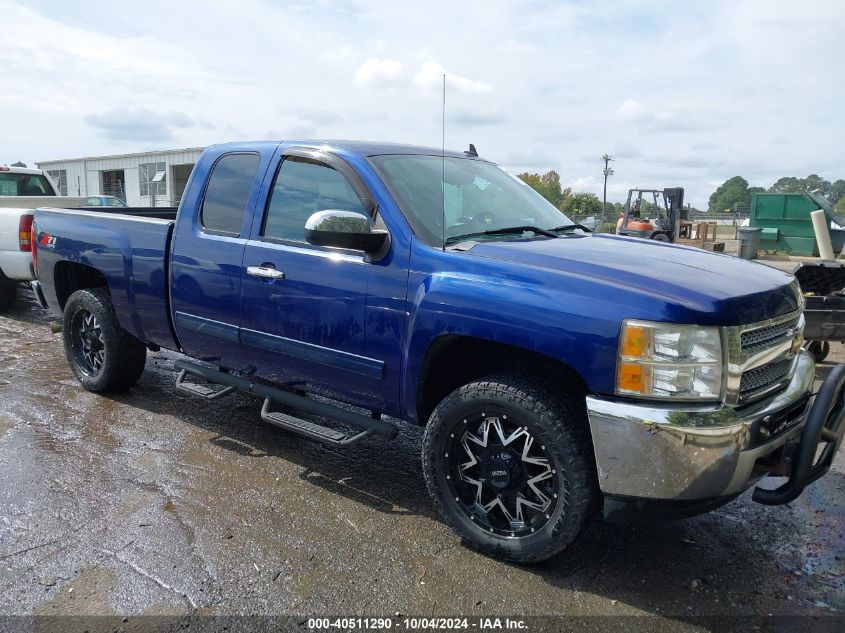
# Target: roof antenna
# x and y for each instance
(471, 151)
(443, 164)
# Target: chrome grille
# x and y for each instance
(769, 335)
(761, 356)
(761, 377)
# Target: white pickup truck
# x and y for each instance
(22, 190)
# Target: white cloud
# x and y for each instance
(140, 124)
(585, 183)
(552, 88)
(336, 53)
(430, 78)
(378, 71)
(654, 118)
(633, 110)
(616, 190)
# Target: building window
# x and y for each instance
(59, 177)
(146, 172)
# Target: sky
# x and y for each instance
(679, 93)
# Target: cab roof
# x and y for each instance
(8, 169)
(364, 148)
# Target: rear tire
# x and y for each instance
(103, 356)
(521, 504)
(8, 293)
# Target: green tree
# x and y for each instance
(839, 207)
(733, 191)
(547, 185)
(812, 183)
(581, 204)
(837, 190)
(787, 184)
(815, 183)
(614, 210)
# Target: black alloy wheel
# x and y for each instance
(500, 475)
(88, 345)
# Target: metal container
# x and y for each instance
(749, 241)
(823, 286)
(787, 216)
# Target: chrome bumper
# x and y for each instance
(654, 451)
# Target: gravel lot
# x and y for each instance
(154, 503)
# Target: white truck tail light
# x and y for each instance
(25, 233)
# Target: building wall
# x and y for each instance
(89, 173)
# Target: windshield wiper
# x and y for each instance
(505, 231)
(569, 227)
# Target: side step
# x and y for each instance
(368, 425)
(309, 429)
(200, 391)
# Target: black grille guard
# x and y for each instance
(825, 424)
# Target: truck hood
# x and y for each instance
(684, 284)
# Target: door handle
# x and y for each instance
(265, 272)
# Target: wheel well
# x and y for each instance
(453, 361)
(69, 277)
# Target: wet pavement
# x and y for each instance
(151, 502)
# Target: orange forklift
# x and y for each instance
(652, 214)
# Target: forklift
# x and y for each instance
(666, 206)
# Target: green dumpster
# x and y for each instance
(786, 218)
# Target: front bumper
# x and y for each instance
(664, 453)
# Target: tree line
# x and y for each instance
(581, 203)
(736, 192)
(733, 193)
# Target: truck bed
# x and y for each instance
(128, 247)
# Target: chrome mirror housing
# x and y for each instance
(344, 229)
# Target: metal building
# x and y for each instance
(141, 179)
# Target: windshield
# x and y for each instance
(478, 197)
(24, 185)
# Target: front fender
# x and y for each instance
(514, 312)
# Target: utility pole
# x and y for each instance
(607, 171)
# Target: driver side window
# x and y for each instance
(303, 187)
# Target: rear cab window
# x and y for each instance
(227, 194)
(12, 184)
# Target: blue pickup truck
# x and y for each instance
(559, 374)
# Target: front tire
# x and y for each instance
(660, 237)
(103, 356)
(508, 464)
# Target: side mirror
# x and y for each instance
(344, 229)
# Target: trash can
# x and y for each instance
(749, 241)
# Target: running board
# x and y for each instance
(200, 391)
(368, 425)
(309, 429)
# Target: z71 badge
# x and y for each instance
(47, 241)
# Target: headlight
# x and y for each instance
(664, 360)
